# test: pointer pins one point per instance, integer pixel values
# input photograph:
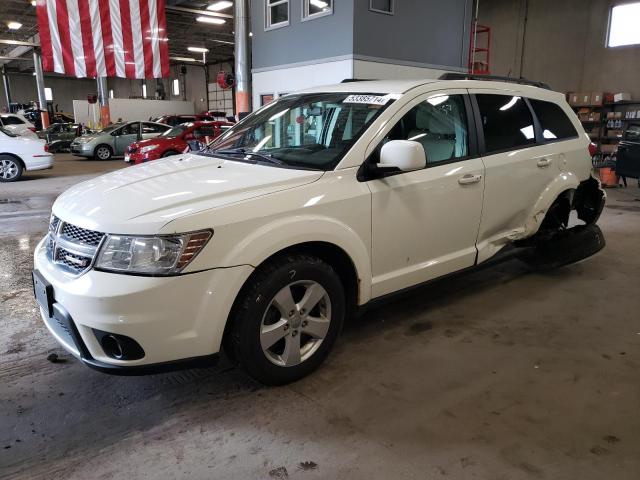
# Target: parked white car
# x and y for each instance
(307, 209)
(18, 124)
(19, 154)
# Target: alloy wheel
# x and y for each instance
(295, 323)
(8, 169)
(103, 153)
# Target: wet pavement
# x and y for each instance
(502, 373)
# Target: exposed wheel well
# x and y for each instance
(329, 253)
(558, 213)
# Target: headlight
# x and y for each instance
(148, 148)
(148, 255)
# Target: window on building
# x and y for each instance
(316, 8)
(623, 25)
(111, 93)
(382, 6)
(144, 90)
(276, 13)
(439, 124)
(48, 94)
(554, 122)
(506, 121)
(176, 86)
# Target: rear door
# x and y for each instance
(518, 167)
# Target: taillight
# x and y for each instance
(46, 147)
(593, 149)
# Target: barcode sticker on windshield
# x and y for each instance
(368, 99)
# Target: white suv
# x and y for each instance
(309, 208)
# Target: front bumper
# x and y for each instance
(178, 321)
(81, 149)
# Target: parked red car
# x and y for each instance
(174, 141)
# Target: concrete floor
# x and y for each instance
(498, 374)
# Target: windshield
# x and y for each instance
(308, 130)
(174, 132)
(111, 128)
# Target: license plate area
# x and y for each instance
(43, 292)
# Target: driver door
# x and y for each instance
(125, 137)
(425, 223)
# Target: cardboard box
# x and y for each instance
(621, 97)
(597, 99)
(595, 133)
(614, 133)
(579, 99)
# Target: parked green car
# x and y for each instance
(114, 140)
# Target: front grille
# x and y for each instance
(81, 235)
(71, 248)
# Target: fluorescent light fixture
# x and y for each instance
(111, 93)
(144, 90)
(511, 103)
(33, 3)
(212, 20)
(221, 5)
(176, 86)
(183, 59)
(198, 49)
(528, 132)
(14, 25)
(548, 134)
(48, 94)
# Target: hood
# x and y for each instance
(144, 198)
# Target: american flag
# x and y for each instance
(104, 38)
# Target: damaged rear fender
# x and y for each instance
(589, 200)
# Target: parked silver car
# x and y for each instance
(114, 140)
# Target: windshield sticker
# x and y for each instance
(368, 99)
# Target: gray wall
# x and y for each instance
(324, 37)
(564, 45)
(435, 32)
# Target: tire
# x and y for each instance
(102, 152)
(10, 168)
(296, 341)
(565, 247)
(168, 153)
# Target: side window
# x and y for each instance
(130, 129)
(506, 121)
(11, 120)
(439, 124)
(554, 122)
(204, 131)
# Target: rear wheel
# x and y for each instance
(102, 152)
(10, 169)
(287, 318)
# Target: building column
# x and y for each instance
(242, 57)
(42, 99)
(7, 88)
(103, 101)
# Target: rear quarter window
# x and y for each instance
(554, 122)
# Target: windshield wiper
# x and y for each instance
(250, 153)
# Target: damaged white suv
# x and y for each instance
(266, 240)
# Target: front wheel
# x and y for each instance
(287, 318)
(102, 152)
(10, 169)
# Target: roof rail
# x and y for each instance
(470, 76)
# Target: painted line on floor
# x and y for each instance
(25, 213)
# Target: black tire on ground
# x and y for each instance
(10, 168)
(98, 152)
(255, 302)
(565, 247)
(168, 153)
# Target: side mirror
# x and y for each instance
(404, 155)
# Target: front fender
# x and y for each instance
(563, 182)
(283, 233)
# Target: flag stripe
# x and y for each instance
(155, 42)
(162, 33)
(87, 38)
(45, 35)
(79, 61)
(96, 38)
(147, 35)
(65, 38)
(125, 38)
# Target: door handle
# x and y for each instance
(469, 179)
(544, 162)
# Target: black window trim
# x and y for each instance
(473, 146)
